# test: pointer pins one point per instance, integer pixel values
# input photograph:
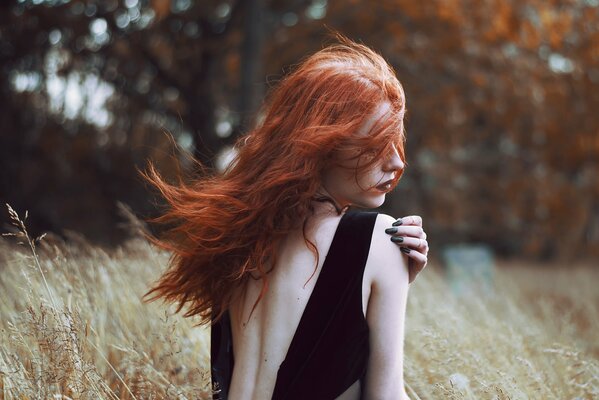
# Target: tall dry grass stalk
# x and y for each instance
(72, 326)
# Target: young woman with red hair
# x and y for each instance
(306, 299)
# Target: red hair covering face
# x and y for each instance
(225, 228)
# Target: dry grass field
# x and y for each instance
(72, 326)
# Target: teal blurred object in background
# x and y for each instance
(469, 269)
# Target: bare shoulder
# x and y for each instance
(386, 263)
(383, 249)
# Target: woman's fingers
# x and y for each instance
(416, 255)
(414, 231)
(409, 220)
(417, 262)
(408, 234)
(411, 242)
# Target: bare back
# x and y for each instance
(261, 345)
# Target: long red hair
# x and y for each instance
(224, 228)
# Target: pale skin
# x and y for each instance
(260, 343)
(349, 191)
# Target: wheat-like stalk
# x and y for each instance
(22, 233)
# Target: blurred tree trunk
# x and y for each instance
(201, 112)
(252, 71)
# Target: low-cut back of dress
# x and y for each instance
(329, 350)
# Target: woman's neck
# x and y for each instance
(324, 204)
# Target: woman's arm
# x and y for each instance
(387, 271)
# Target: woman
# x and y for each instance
(306, 300)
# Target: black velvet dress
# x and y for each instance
(329, 350)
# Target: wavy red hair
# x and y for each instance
(224, 228)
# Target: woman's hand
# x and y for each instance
(407, 232)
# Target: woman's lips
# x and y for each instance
(385, 186)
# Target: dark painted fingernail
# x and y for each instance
(405, 250)
(397, 239)
(398, 222)
(391, 230)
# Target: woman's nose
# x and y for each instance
(394, 162)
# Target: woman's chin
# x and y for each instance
(372, 202)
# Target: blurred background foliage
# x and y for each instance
(503, 100)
